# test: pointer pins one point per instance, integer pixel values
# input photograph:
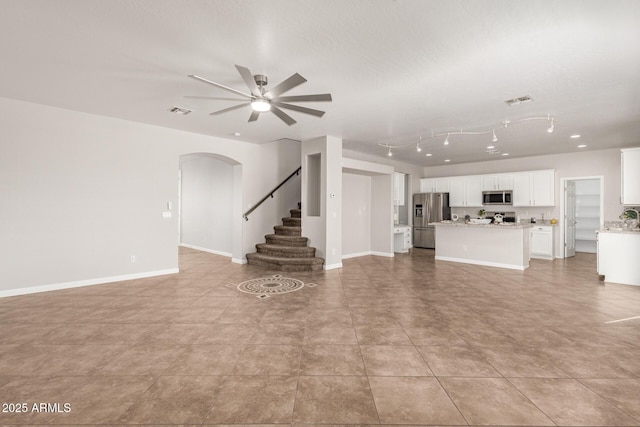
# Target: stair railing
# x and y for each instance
(270, 194)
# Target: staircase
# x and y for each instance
(286, 250)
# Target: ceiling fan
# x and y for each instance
(262, 101)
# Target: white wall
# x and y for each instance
(356, 214)
(571, 165)
(82, 193)
(206, 203)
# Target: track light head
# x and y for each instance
(495, 138)
(550, 130)
(389, 153)
(446, 140)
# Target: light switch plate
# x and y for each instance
(166, 214)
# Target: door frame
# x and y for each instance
(563, 203)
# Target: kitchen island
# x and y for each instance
(495, 245)
(618, 251)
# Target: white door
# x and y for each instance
(570, 219)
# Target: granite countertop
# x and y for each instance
(620, 230)
(504, 225)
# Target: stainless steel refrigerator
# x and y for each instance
(428, 208)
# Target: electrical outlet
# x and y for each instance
(133, 258)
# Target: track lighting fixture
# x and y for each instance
(492, 131)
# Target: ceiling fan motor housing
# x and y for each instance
(261, 80)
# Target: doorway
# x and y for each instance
(582, 212)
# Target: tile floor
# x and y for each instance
(381, 341)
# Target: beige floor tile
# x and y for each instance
(331, 360)
(623, 394)
(418, 400)
(457, 361)
(283, 360)
(492, 401)
(433, 335)
(567, 402)
(175, 400)
(254, 400)
(334, 400)
(330, 334)
(381, 335)
(282, 333)
(525, 362)
(141, 359)
(394, 361)
(222, 333)
(205, 360)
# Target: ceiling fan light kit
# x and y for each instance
(262, 101)
(494, 138)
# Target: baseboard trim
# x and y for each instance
(332, 266)
(239, 261)
(211, 251)
(374, 253)
(384, 254)
(484, 263)
(80, 283)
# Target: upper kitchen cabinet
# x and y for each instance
(398, 189)
(434, 185)
(499, 182)
(534, 188)
(465, 191)
(630, 191)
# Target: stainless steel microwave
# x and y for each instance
(497, 197)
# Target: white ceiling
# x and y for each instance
(396, 70)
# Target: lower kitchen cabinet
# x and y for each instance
(402, 238)
(541, 241)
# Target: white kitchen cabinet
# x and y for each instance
(497, 182)
(402, 238)
(434, 185)
(398, 189)
(630, 169)
(465, 191)
(535, 188)
(618, 256)
(541, 240)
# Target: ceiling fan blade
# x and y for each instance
(237, 92)
(254, 116)
(305, 110)
(249, 80)
(225, 110)
(217, 98)
(324, 97)
(283, 116)
(288, 84)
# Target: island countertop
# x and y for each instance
(503, 226)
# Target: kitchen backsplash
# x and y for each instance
(523, 213)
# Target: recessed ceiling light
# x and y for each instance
(575, 136)
(428, 154)
(180, 111)
(582, 145)
(236, 134)
(505, 154)
(490, 147)
(447, 160)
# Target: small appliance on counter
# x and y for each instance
(501, 217)
(428, 208)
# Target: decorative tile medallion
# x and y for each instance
(271, 285)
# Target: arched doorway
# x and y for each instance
(210, 203)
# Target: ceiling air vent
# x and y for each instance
(520, 100)
(181, 111)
